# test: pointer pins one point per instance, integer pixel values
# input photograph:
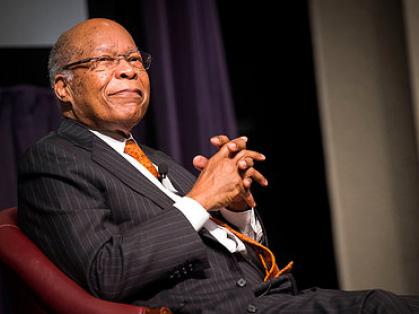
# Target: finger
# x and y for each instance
(249, 154)
(200, 162)
(247, 182)
(231, 148)
(219, 140)
(245, 163)
(248, 198)
(256, 176)
(237, 145)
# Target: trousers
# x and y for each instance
(282, 296)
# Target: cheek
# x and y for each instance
(94, 88)
(145, 81)
(90, 84)
(77, 86)
(89, 95)
(102, 78)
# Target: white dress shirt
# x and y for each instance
(193, 211)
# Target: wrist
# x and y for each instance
(199, 200)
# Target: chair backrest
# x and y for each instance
(52, 289)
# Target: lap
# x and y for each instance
(316, 300)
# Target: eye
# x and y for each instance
(104, 59)
(103, 63)
(135, 59)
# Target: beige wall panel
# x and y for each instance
(369, 141)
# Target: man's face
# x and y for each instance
(114, 99)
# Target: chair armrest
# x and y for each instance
(52, 287)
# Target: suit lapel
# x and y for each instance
(111, 161)
(181, 178)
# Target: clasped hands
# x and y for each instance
(227, 176)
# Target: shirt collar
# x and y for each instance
(116, 143)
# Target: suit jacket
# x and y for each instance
(110, 229)
(104, 224)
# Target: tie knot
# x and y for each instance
(135, 151)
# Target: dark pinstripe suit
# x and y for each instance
(119, 236)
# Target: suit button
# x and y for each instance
(251, 308)
(241, 282)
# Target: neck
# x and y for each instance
(117, 134)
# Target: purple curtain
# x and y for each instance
(26, 114)
(190, 98)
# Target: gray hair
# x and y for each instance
(61, 54)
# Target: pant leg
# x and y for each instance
(281, 298)
(412, 301)
(380, 301)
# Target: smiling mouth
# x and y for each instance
(129, 92)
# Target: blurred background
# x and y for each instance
(327, 90)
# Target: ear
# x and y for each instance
(62, 89)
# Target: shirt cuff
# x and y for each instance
(239, 219)
(193, 211)
(246, 221)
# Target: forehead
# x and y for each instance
(105, 38)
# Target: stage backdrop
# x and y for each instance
(191, 98)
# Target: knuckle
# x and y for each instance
(248, 181)
(242, 154)
(251, 171)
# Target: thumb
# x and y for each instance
(200, 162)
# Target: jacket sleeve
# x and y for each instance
(62, 207)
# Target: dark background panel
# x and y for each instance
(269, 55)
(24, 66)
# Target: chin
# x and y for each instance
(127, 122)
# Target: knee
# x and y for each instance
(381, 301)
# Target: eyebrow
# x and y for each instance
(107, 50)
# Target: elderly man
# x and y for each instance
(95, 202)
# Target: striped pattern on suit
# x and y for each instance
(110, 229)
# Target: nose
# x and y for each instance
(124, 70)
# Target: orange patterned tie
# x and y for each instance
(132, 149)
(265, 255)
